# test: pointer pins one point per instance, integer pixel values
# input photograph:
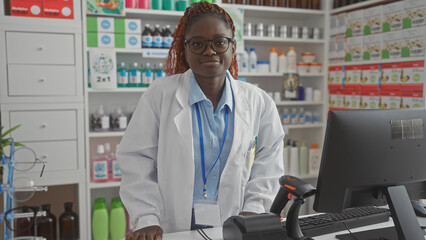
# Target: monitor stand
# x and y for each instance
(406, 225)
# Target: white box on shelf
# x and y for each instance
(372, 47)
(392, 45)
(354, 23)
(341, 24)
(333, 25)
(340, 49)
(105, 24)
(353, 49)
(373, 20)
(392, 16)
(412, 100)
(414, 42)
(415, 13)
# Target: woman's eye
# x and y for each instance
(221, 42)
(197, 44)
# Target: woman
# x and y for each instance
(200, 141)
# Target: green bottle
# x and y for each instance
(122, 75)
(100, 220)
(117, 220)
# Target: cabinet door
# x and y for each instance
(41, 80)
(44, 125)
(40, 48)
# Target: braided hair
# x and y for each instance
(176, 62)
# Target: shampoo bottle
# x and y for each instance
(303, 159)
(252, 60)
(99, 171)
(286, 156)
(282, 62)
(116, 172)
(273, 60)
(245, 61)
(117, 220)
(294, 159)
(291, 61)
(100, 220)
(314, 159)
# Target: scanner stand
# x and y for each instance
(292, 221)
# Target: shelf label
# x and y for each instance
(103, 70)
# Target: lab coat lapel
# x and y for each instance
(182, 119)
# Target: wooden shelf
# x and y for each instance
(377, 61)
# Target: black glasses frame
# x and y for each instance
(35, 219)
(230, 40)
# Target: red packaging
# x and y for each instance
(412, 75)
(24, 8)
(352, 77)
(370, 77)
(58, 9)
(335, 77)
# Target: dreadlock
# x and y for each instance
(176, 62)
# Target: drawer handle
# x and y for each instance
(44, 156)
(42, 80)
(41, 48)
(44, 125)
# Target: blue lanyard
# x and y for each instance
(203, 164)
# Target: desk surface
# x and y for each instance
(216, 233)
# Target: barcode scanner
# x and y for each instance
(292, 187)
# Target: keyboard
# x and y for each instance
(325, 223)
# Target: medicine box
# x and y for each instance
(353, 49)
(390, 99)
(335, 77)
(412, 100)
(332, 50)
(414, 42)
(100, 24)
(352, 77)
(333, 25)
(340, 49)
(370, 75)
(372, 20)
(392, 45)
(95, 39)
(26, 8)
(58, 9)
(391, 76)
(412, 75)
(127, 40)
(352, 99)
(127, 26)
(354, 23)
(341, 24)
(392, 16)
(369, 100)
(415, 13)
(372, 47)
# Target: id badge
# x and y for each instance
(207, 214)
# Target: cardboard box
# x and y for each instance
(95, 39)
(392, 45)
(415, 13)
(393, 14)
(391, 76)
(335, 77)
(354, 23)
(127, 26)
(58, 9)
(333, 25)
(370, 100)
(390, 100)
(412, 75)
(372, 47)
(370, 77)
(24, 8)
(100, 24)
(340, 49)
(372, 20)
(414, 42)
(341, 27)
(332, 50)
(336, 99)
(352, 99)
(412, 100)
(128, 40)
(352, 77)
(353, 49)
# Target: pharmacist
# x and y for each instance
(200, 146)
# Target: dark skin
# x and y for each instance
(209, 69)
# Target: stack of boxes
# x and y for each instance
(42, 8)
(393, 31)
(113, 33)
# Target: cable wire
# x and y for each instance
(352, 235)
(203, 234)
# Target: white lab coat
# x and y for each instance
(156, 156)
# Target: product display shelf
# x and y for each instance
(298, 103)
(104, 185)
(361, 5)
(105, 134)
(118, 90)
(294, 41)
(397, 60)
(303, 126)
(261, 74)
(277, 12)
(173, 15)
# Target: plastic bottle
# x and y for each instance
(301, 94)
(308, 117)
(100, 121)
(116, 171)
(302, 118)
(117, 220)
(314, 159)
(282, 62)
(131, 4)
(286, 117)
(147, 37)
(294, 117)
(118, 120)
(100, 220)
(99, 166)
(135, 75)
(161, 72)
(273, 60)
(245, 61)
(294, 159)
(252, 60)
(286, 155)
(68, 224)
(303, 159)
(157, 39)
(47, 226)
(122, 75)
(291, 60)
(169, 5)
(143, 4)
(147, 75)
(157, 4)
(316, 117)
(167, 37)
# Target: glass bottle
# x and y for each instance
(293, 4)
(68, 224)
(304, 4)
(23, 225)
(47, 226)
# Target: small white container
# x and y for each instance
(263, 66)
(315, 68)
(308, 57)
(303, 68)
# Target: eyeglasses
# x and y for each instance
(24, 218)
(198, 45)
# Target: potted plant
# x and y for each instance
(4, 142)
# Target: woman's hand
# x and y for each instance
(247, 213)
(146, 233)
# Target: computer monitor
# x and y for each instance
(375, 157)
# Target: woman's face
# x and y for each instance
(209, 63)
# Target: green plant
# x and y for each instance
(6, 141)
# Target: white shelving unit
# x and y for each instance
(382, 61)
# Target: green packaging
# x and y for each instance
(100, 220)
(117, 223)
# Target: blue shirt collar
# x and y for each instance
(197, 95)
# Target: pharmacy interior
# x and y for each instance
(71, 74)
